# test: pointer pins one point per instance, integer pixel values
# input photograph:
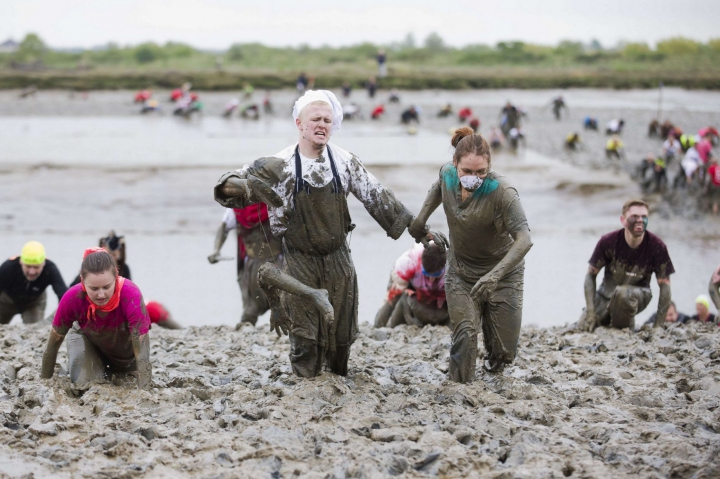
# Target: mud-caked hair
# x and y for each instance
(466, 142)
(97, 263)
(433, 258)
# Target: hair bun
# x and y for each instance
(461, 133)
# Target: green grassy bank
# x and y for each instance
(417, 79)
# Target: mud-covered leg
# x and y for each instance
(626, 302)
(306, 357)
(501, 322)
(272, 278)
(337, 361)
(85, 363)
(465, 318)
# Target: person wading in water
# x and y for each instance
(305, 187)
(489, 238)
(106, 323)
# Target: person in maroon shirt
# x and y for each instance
(630, 256)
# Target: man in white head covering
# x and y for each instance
(305, 187)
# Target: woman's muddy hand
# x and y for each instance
(484, 287)
(437, 238)
(417, 229)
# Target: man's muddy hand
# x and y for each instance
(418, 230)
(214, 258)
(234, 187)
(279, 322)
(484, 287)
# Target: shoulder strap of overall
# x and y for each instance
(337, 184)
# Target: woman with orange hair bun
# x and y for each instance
(489, 238)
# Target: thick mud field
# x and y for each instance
(604, 405)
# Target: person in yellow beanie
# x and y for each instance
(23, 281)
(702, 308)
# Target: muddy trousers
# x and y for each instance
(620, 309)
(307, 357)
(85, 361)
(310, 337)
(409, 310)
(254, 301)
(499, 316)
(30, 313)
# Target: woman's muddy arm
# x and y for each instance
(50, 356)
(141, 348)
(417, 228)
(663, 301)
(590, 287)
(714, 294)
(513, 257)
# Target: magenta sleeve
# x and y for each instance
(136, 315)
(69, 310)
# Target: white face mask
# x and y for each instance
(471, 182)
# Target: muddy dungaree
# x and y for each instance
(317, 255)
(480, 238)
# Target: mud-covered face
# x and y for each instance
(635, 220)
(32, 271)
(472, 169)
(315, 123)
(100, 286)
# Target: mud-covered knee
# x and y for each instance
(464, 329)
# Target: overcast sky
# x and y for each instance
(216, 24)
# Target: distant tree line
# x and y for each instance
(675, 53)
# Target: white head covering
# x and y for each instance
(324, 96)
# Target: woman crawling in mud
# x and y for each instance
(111, 334)
(489, 238)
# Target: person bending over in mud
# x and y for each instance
(489, 238)
(305, 187)
(23, 281)
(416, 292)
(256, 246)
(630, 256)
(106, 323)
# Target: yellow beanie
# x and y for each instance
(33, 253)
(704, 300)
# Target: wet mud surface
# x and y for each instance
(603, 405)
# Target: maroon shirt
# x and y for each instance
(626, 266)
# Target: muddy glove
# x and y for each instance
(279, 322)
(214, 258)
(417, 230)
(437, 237)
(484, 287)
